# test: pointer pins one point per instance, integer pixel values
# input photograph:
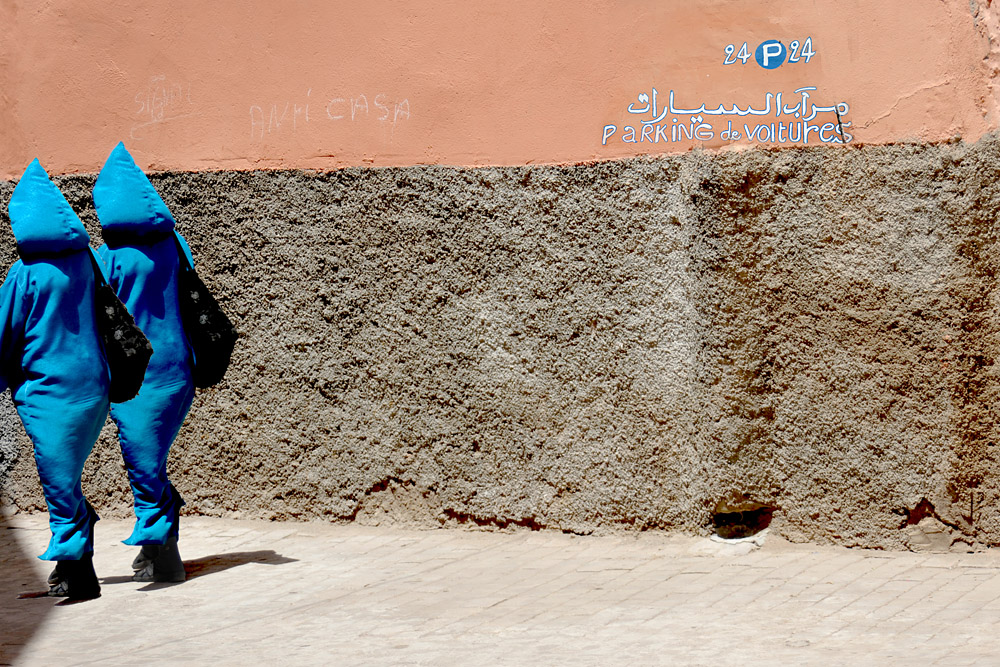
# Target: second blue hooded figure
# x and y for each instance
(141, 256)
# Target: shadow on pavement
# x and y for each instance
(200, 567)
(21, 619)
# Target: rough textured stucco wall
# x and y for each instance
(635, 344)
(12, 437)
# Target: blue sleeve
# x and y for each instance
(12, 320)
(186, 248)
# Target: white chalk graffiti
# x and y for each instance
(289, 117)
(161, 101)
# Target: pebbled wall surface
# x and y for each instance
(628, 345)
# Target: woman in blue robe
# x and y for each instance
(142, 259)
(52, 359)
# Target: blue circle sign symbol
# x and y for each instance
(770, 54)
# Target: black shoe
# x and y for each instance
(166, 566)
(76, 579)
(56, 580)
(147, 554)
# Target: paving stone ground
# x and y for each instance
(318, 594)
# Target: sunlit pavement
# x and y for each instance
(313, 593)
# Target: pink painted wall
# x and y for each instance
(236, 84)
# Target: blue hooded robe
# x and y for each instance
(51, 353)
(143, 264)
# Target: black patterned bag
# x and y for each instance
(127, 349)
(212, 335)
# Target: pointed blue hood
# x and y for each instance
(42, 219)
(125, 199)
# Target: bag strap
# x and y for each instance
(98, 274)
(181, 255)
(118, 237)
(54, 254)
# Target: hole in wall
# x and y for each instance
(742, 523)
(923, 509)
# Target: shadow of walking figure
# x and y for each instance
(200, 567)
(205, 565)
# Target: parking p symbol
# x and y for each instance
(770, 54)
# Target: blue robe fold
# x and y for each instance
(51, 354)
(143, 266)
